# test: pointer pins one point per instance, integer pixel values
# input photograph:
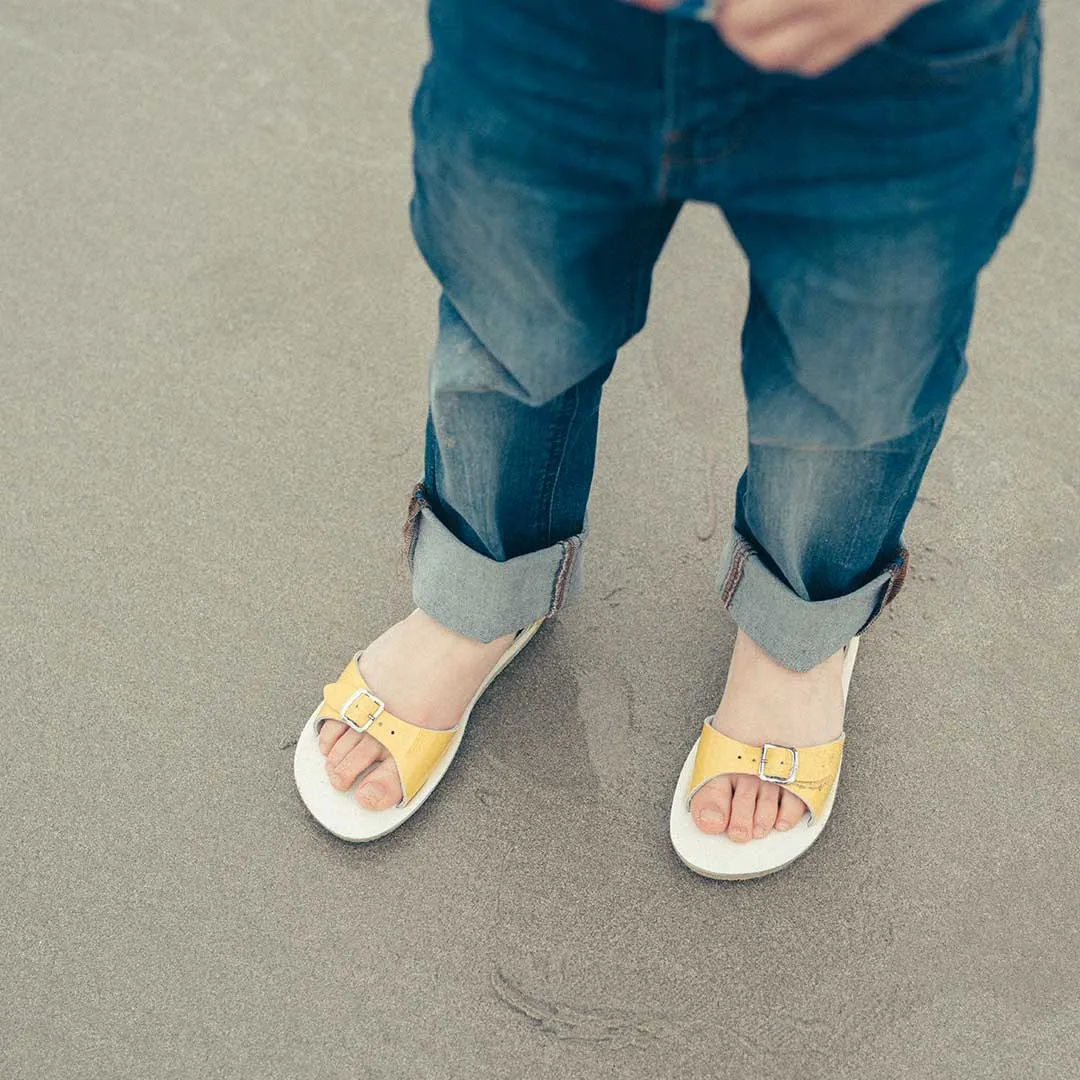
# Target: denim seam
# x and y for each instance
(743, 551)
(570, 548)
(1023, 128)
(898, 567)
(553, 484)
(897, 571)
(417, 503)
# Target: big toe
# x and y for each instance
(711, 806)
(381, 788)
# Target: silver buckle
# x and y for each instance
(380, 707)
(778, 779)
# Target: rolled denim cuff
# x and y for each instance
(481, 597)
(798, 633)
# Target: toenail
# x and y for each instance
(711, 817)
(759, 831)
(783, 826)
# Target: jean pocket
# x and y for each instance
(929, 52)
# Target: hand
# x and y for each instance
(807, 37)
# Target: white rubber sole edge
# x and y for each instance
(338, 811)
(720, 857)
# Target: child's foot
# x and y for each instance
(427, 675)
(765, 702)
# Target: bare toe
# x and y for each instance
(711, 805)
(791, 809)
(329, 734)
(348, 768)
(380, 789)
(743, 802)
(768, 801)
(341, 748)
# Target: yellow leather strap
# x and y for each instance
(415, 750)
(812, 772)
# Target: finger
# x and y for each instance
(780, 49)
(749, 19)
(828, 56)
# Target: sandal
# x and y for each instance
(809, 772)
(421, 755)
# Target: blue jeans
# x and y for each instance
(555, 142)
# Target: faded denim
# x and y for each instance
(556, 140)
